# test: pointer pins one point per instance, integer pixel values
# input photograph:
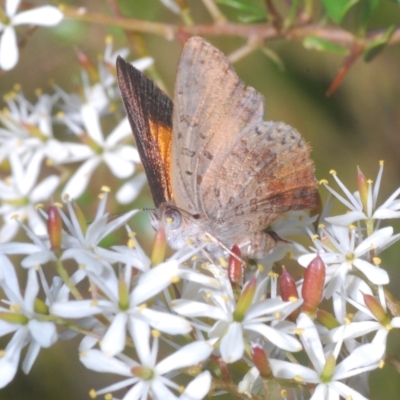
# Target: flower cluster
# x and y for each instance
(171, 328)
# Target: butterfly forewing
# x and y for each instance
(149, 112)
(211, 107)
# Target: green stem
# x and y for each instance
(67, 280)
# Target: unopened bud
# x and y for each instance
(159, 247)
(362, 184)
(287, 286)
(329, 369)
(260, 360)
(85, 62)
(327, 319)
(245, 299)
(54, 227)
(80, 217)
(313, 285)
(235, 268)
(289, 292)
(376, 309)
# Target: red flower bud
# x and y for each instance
(313, 285)
(287, 286)
(54, 227)
(260, 360)
(235, 268)
(376, 309)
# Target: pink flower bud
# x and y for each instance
(260, 360)
(54, 227)
(235, 268)
(376, 309)
(159, 247)
(313, 285)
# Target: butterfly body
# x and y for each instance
(217, 171)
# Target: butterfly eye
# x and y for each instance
(173, 219)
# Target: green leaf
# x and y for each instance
(369, 6)
(274, 58)
(315, 43)
(244, 6)
(337, 9)
(246, 19)
(378, 45)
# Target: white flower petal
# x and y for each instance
(345, 391)
(11, 7)
(31, 355)
(91, 121)
(198, 388)
(79, 308)
(232, 344)
(130, 190)
(287, 370)
(190, 308)
(191, 354)
(159, 391)
(311, 341)
(363, 356)
(143, 63)
(122, 131)
(346, 219)
(375, 274)
(140, 333)
(98, 361)
(45, 189)
(44, 333)
(8, 49)
(280, 339)
(376, 240)
(79, 181)
(386, 214)
(8, 369)
(45, 16)
(166, 322)
(118, 166)
(113, 341)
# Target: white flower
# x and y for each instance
(364, 321)
(45, 16)
(120, 158)
(232, 325)
(342, 249)
(389, 209)
(81, 241)
(28, 129)
(131, 189)
(39, 252)
(123, 308)
(22, 319)
(326, 375)
(19, 195)
(150, 379)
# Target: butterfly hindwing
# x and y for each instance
(264, 172)
(149, 112)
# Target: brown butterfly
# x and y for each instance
(216, 170)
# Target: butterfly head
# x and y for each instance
(180, 227)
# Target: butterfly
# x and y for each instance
(217, 171)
